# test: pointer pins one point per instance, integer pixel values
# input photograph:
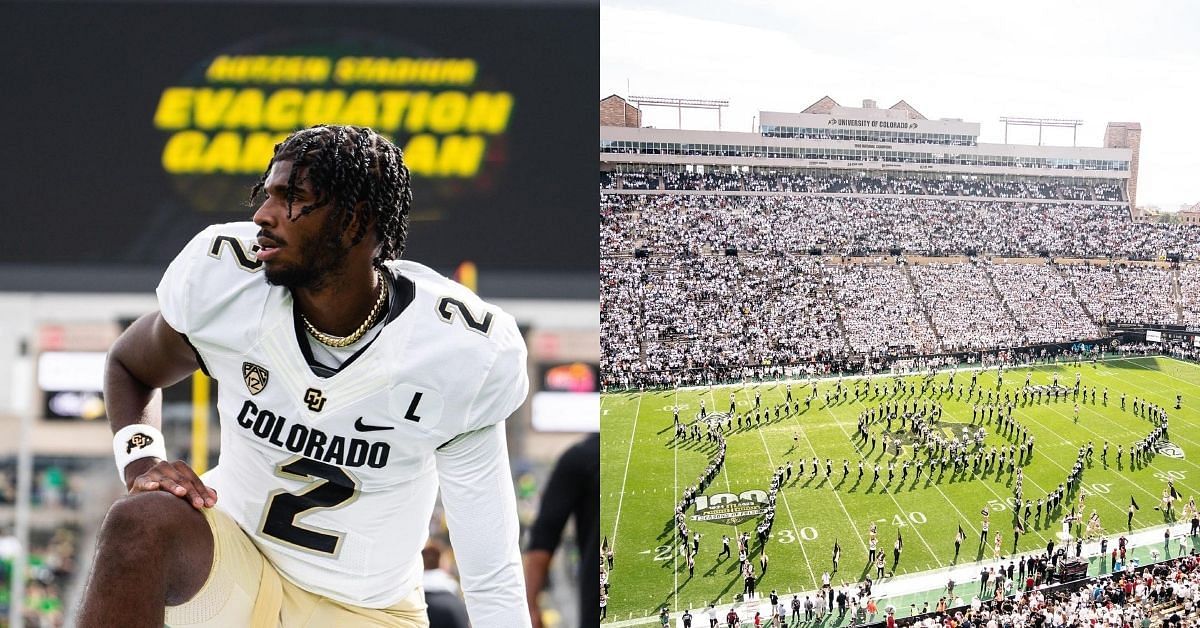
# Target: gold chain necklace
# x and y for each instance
(338, 342)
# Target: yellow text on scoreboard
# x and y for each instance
(229, 128)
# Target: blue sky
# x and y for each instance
(1094, 61)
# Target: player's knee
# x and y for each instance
(148, 517)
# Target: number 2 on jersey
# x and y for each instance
(332, 487)
(475, 324)
(242, 256)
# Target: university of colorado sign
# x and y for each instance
(873, 124)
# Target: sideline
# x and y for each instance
(928, 586)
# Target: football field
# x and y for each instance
(645, 469)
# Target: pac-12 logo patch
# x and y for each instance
(255, 376)
(140, 441)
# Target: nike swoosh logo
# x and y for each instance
(363, 427)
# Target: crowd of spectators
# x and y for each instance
(52, 564)
(621, 303)
(807, 181)
(965, 310)
(717, 312)
(715, 180)
(52, 486)
(880, 313)
(1042, 301)
(1189, 293)
(721, 318)
(1166, 594)
(719, 287)
(1126, 294)
(673, 224)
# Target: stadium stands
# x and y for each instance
(1160, 595)
(797, 181)
(718, 276)
(861, 225)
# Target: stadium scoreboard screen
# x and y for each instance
(142, 123)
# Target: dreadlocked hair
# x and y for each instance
(360, 171)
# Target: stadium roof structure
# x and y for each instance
(827, 135)
(826, 105)
(680, 104)
(901, 105)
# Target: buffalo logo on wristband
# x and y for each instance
(255, 376)
(141, 441)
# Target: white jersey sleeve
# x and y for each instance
(175, 287)
(481, 512)
(200, 288)
(507, 382)
(498, 377)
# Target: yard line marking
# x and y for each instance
(1180, 379)
(1118, 474)
(853, 526)
(628, 456)
(783, 495)
(675, 535)
(889, 493)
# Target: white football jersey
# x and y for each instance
(334, 477)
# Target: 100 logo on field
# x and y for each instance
(730, 508)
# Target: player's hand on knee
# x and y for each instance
(176, 478)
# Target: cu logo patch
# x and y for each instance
(1169, 449)
(314, 400)
(729, 508)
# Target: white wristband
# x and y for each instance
(134, 442)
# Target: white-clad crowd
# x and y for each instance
(880, 312)
(1189, 293)
(1043, 302)
(862, 225)
(966, 310)
(719, 287)
(1126, 294)
(750, 315)
(759, 179)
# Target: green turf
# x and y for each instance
(644, 472)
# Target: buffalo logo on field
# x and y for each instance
(953, 430)
(716, 418)
(906, 437)
(729, 508)
(1169, 449)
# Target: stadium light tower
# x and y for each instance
(1040, 123)
(680, 104)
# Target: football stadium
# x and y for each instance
(131, 150)
(861, 367)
